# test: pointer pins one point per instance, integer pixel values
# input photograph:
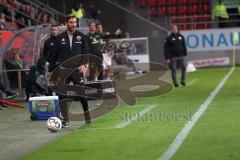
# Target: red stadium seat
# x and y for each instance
(189, 27)
(200, 18)
(195, 18)
(142, 2)
(174, 19)
(200, 26)
(182, 19)
(181, 27)
(194, 9)
(206, 8)
(183, 10)
(12, 24)
(183, 2)
(194, 1)
(199, 8)
(153, 11)
(152, 3)
(172, 10)
(162, 2)
(206, 1)
(162, 11)
(206, 17)
(173, 2)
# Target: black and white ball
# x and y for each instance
(54, 124)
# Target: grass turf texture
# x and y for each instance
(215, 135)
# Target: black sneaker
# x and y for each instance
(87, 117)
(176, 85)
(10, 94)
(2, 107)
(65, 124)
(183, 84)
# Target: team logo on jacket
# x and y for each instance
(63, 40)
(79, 38)
(179, 38)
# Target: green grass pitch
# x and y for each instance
(215, 136)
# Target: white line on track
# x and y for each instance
(141, 113)
(192, 82)
(189, 125)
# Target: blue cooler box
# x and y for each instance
(42, 108)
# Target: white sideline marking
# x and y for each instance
(189, 125)
(94, 129)
(191, 82)
(141, 113)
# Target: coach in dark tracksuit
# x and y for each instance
(175, 52)
(69, 44)
(50, 44)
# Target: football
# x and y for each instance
(54, 124)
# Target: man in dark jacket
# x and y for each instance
(175, 52)
(50, 44)
(71, 43)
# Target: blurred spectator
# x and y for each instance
(2, 19)
(41, 10)
(12, 3)
(45, 20)
(94, 13)
(79, 12)
(50, 44)
(20, 17)
(28, 9)
(5, 8)
(107, 35)
(15, 63)
(36, 80)
(32, 19)
(51, 20)
(220, 14)
(100, 30)
(127, 35)
(24, 14)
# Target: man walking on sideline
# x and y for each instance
(175, 52)
(71, 43)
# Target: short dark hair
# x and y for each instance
(91, 23)
(53, 26)
(98, 24)
(41, 62)
(70, 17)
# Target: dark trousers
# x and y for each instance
(2, 87)
(75, 78)
(221, 22)
(174, 62)
(95, 67)
(64, 106)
